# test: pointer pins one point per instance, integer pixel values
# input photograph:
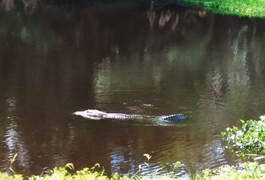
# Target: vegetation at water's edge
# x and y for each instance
(251, 8)
(245, 171)
(250, 138)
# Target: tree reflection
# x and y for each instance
(30, 5)
(7, 4)
(13, 140)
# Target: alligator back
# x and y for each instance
(121, 116)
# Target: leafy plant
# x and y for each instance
(249, 138)
(248, 170)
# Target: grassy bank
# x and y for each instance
(250, 8)
(244, 171)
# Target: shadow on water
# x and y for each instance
(57, 60)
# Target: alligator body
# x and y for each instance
(98, 115)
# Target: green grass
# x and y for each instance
(250, 8)
(244, 171)
(248, 170)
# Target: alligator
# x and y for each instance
(94, 114)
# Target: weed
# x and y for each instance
(250, 138)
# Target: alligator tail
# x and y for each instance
(174, 117)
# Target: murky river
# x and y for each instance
(59, 60)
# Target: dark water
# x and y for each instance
(59, 60)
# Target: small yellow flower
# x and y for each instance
(70, 165)
(178, 163)
(148, 156)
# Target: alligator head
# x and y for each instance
(91, 114)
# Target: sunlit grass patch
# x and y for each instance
(251, 8)
(248, 171)
(61, 173)
(5, 176)
(244, 171)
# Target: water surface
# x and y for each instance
(59, 60)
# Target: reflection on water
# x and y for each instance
(13, 141)
(59, 60)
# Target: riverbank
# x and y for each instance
(250, 8)
(244, 171)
